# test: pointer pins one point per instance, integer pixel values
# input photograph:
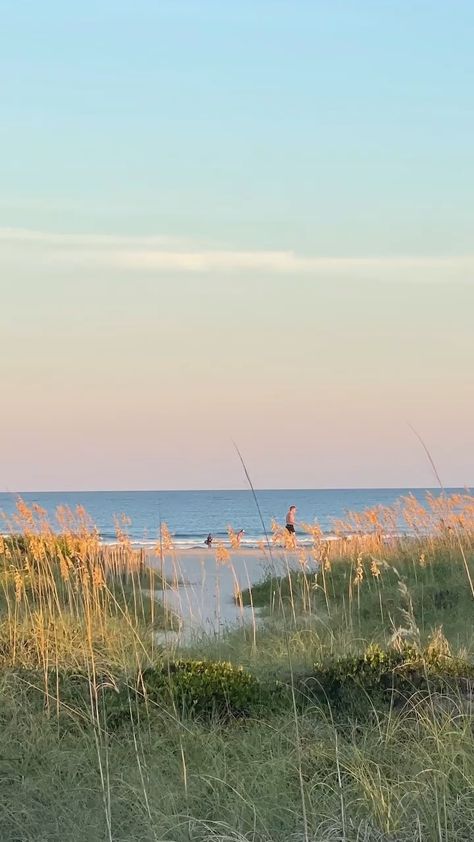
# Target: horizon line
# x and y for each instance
(465, 487)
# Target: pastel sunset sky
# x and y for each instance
(240, 221)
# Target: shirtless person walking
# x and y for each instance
(290, 520)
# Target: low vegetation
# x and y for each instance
(342, 711)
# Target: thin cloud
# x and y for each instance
(159, 254)
(86, 241)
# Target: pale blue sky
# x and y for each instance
(249, 220)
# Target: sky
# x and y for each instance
(244, 222)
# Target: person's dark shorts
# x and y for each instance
(290, 528)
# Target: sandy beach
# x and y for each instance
(202, 590)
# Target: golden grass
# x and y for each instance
(58, 581)
(62, 589)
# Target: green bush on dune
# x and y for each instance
(205, 688)
(379, 677)
(208, 690)
(215, 690)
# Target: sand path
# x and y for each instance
(202, 590)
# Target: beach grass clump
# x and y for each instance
(364, 598)
(65, 598)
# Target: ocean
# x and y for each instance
(191, 515)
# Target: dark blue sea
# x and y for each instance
(191, 515)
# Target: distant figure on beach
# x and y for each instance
(239, 536)
(208, 540)
(290, 520)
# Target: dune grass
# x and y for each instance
(295, 766)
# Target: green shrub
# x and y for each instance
(211, 690)
(382, 677)
(204, 689)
